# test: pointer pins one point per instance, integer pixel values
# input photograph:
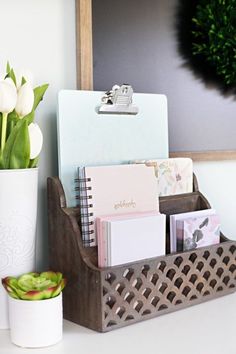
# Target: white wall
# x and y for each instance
(217, 181)
(39, 35)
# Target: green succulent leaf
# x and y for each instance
(10, 284)
(33, 295)
(35, 286)
(50, 275)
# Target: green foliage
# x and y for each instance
(17, 149)
(35, 286)
(20, 149)
(34, 163)
(38, 94)
(214, 37)
(15, 153)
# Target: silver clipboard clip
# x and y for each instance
(118, 101)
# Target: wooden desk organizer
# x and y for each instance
(109, 298)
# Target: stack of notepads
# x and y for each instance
(124, 201)
(194, 229)
(130, 237)
(119, 208)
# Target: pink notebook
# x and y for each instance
(114, 190)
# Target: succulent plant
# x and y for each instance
(35, 286)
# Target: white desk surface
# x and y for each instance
(208, 328)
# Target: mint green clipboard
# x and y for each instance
(88, 138)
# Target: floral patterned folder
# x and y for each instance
(174, 175)
(197, 232)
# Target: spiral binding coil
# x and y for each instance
(84, 203)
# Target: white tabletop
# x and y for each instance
(208, 328)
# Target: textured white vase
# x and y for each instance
(35, 324)
(18, 212)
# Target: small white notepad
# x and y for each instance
(132, 238)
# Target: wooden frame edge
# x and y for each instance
(84, 44)
(219, 155)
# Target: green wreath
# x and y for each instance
(210, 42)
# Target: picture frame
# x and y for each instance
(84, 60)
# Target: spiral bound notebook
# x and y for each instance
(114, 189)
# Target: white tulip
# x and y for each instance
(36, 140)
(10, 81)
(8, 96)
(25, 100)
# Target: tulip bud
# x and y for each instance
(25, 100)
(8, 96)
(10, 81)
(36, 140)
(20, 74)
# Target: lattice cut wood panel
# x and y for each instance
(164, 284)
(105, 299)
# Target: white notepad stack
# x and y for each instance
(129, 238)
(117, 189)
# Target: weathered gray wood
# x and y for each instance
(104, 299)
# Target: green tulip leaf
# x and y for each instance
(38, 94)
(23, 81)
(15, 148)
(34, 163)
(12, 119)
(9, 145)
(1, 162)
(20, 152)
(30, 117)
(13, 76)
(8, 67)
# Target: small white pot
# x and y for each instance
(35, 324)
(18, 212)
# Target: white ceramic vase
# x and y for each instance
(18, 213)
(35, 324)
